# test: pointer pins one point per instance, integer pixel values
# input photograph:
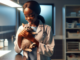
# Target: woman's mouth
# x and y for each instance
(30, 21)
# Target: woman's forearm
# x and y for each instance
(28, 36)
(31, 38)
(19, 40)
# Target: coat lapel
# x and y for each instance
(39, 28)
(39, 32)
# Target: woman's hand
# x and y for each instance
(23, 34)
(26, 35)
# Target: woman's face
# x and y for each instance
(30, 16)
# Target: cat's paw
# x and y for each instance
(32, 45)
(30, 50)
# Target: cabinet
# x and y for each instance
(71, 31)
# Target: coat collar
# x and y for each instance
(39, 28)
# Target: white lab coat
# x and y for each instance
(46, 42)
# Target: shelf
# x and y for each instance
(73, 52)
(69, 16)
(72, 38)
(68, 11)
(72, 17)
(72, 28)
(58, 37)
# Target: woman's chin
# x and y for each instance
(30, 23)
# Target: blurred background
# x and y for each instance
(61, 15)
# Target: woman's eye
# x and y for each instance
(25, 16)
(31, 15)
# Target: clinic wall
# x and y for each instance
(7, 16)
(7, 21)
(59, 4)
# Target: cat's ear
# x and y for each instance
(23, 24)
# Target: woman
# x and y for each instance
(44, 38)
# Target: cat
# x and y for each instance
(27, 45)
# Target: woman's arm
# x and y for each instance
(48, 48)
(28, 36)
(16, 47)
(19, 36)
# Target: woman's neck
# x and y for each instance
(35, 24)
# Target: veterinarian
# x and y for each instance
(44, 38)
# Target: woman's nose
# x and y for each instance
(28, 18)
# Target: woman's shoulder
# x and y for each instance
(47, 26)
(21, 26)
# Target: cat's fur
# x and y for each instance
(27, 45)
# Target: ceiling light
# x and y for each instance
(21, 9)
(10, 3)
